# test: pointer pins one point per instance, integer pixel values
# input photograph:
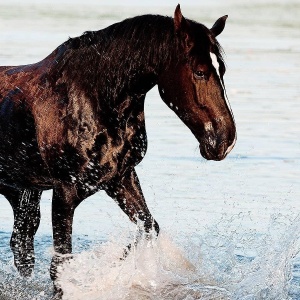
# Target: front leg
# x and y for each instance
(127, 192)
(64, 202)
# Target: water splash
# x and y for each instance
(156, 269)
(224, 263)
(254, 265)
(229, 261)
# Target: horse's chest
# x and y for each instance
(135, 143)
(124, 147)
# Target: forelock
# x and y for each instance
(205, 41)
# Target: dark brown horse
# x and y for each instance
(74, 122)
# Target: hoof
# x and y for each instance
(24, 261)
(56, 264)
(57, 293)
(25, 270)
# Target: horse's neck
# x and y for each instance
(110, 70)
(109, 79)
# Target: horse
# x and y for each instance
(74, 122)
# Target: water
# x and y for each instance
(230, 229)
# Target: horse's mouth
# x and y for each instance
(210, 152)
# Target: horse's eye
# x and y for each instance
(199, 75)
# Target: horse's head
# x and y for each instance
(192, 86)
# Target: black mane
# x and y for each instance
(143, 44)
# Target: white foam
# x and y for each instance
(156, 269)
(207, 267)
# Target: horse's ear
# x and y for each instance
(219, 25)
(182, 28)
(178, 18)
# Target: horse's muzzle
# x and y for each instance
(216, 150)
